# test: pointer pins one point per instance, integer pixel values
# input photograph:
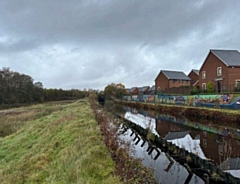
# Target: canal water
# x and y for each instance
(219, 145)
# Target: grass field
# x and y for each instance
(53, 143)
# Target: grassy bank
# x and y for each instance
(53, 143)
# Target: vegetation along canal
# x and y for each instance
(179, 150)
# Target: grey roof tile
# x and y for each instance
(143, 89)
(229, 57)
(152, 88)
(176, 135)
(196, 71)
(231, 164)
(175, 75)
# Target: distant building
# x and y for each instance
(134, 91)
(169, 79)
(151, 91)
(143, 90)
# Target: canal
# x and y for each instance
(217, 146)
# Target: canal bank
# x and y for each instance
(228, 117)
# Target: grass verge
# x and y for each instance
(58, 143)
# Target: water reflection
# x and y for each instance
(215, 145)
(166, 169)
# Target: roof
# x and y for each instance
(176, 135)
(132, 89)
(231, 164)
(152, 88)
(228, 57)
(196, 83)
(195, 71)
(174, 75)
(143, 89)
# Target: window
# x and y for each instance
(205, 143)
(203, 86)
(204, 75)
(238, 83)
(220, 150)
(219, 71)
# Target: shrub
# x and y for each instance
(210, 88)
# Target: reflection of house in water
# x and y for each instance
(219, 148)
(164, 127)
(180, 135)
(176, 135)
(231, 165)
(215, 147)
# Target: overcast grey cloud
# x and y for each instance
(90, 43)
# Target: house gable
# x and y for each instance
(227, 57)
(194, 76)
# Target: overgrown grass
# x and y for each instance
(58, 143)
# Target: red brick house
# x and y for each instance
(143, 90)
(134, 91)
(169, 79)
(222, 68)
(194, 76)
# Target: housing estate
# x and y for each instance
(221, 68)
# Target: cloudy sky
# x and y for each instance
(92, 43)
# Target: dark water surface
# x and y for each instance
(215, 143)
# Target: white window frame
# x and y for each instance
(204, 86)
(219, 69)
(237, 80)
(205, 143)
(204, 74)
(220, 150)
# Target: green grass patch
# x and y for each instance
(56, 143)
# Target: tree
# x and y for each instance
(16, 88)
(110, 90)
(114, 91)
(210, 87)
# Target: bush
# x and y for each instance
(210, 88)
(195, 90)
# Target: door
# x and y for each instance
(219, 86)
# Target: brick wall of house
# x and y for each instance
(194, 77)
(135, 91)
(216, 143)
(178, 83)
(233, 75)
(210, 67)
(162, 82)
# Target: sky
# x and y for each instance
(82, 44)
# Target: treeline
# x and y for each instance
(16, 88)
(59, 94)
